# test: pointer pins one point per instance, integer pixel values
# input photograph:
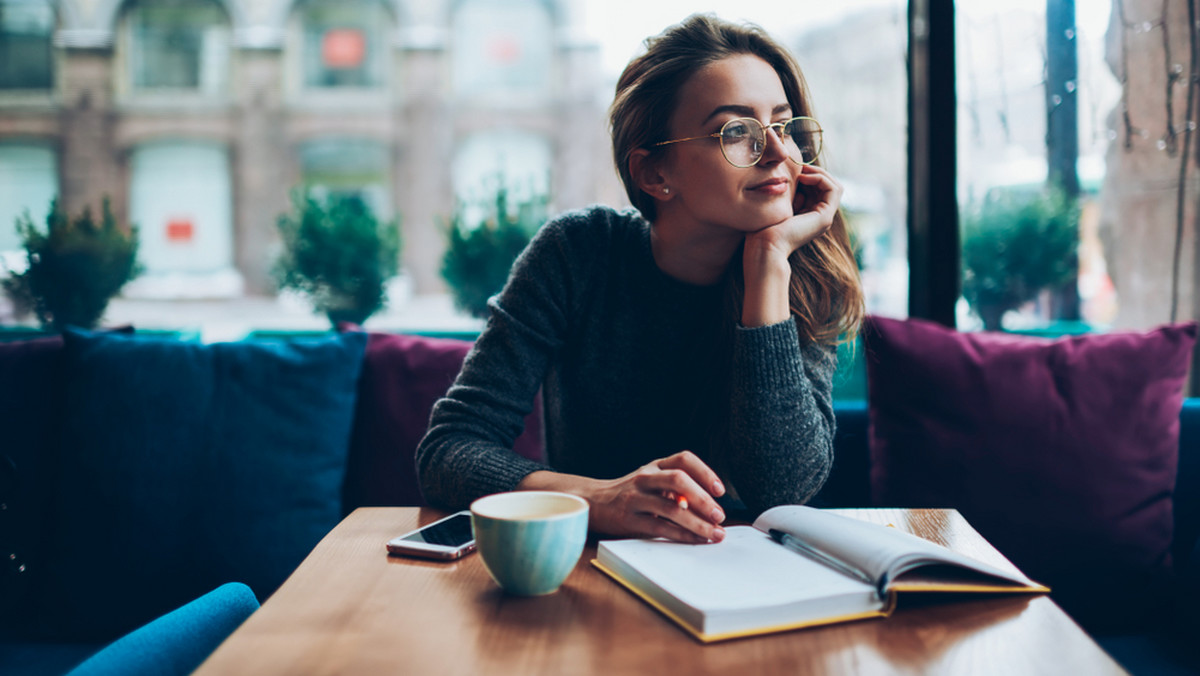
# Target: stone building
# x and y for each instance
(197, 117)
(1151, 190)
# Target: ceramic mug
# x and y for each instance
(530, 540)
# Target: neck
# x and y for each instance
(692, 252)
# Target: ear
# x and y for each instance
(648, 177)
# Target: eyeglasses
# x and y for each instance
(744, 139)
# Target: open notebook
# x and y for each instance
(796, 567)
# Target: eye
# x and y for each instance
(735, 131)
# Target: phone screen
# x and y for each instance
(453, 532)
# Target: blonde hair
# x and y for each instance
(825, 295)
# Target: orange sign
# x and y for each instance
(180, 230)
(343, 48)
(504, 50)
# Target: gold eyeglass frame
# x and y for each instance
(777, 126)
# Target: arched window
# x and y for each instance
(176, 45)
(26, 57)
(181, 199)
(349, 166)
(343, 43)
(502, 49)
(517, 160)
(28, 182)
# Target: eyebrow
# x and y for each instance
(746, 111)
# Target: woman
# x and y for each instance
(686, 347)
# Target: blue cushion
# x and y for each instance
(177, 642)
(184, 466)
(29, 373)
(1187, 483)
(848, 484)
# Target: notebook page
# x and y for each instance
(745, 570)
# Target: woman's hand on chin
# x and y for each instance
(818, 196)
(765, 266)
(672, 497)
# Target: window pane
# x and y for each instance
(518, 161)
(181, 201)
(856, 71)
(348, 167)
(344, 44)
(26, 28)
(1020, 229)
(28, 181)
(179, 46)
(502, 49)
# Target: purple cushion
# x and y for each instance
(1062, 453)
(403, 376)
(30, 373)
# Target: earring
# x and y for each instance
(666, 191)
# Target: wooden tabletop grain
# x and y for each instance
(352, 609)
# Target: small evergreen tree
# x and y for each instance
(336, 252)
(75, 266)
(480, 255)
(1013, 247)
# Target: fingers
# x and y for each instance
(662, 528)
(683, 499)
(695, 467)
(817, 191)
(671, 497)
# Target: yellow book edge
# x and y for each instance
(889, 606)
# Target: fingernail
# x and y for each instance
(718, 488)
(718, 534)
(717, 515)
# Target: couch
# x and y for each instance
(141, 474)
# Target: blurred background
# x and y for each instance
(199, 119)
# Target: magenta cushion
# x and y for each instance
(1062, 453)
(403, 376)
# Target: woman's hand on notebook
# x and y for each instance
(672, 497)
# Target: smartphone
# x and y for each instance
(445, 539)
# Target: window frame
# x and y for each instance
(38, 94)
(933, 241)
(129, 92)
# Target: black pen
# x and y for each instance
(797, 545)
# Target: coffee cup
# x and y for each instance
(530, 540)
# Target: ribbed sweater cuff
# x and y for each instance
(766, 357)
(498, 472)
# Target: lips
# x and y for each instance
(771, 185)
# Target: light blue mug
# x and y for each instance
(530, 540)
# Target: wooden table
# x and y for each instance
(352, 609)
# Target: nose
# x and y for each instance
(774, 151)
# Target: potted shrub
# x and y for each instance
(75, 267)
(338, 254)
(480, 254)
(1014, 246)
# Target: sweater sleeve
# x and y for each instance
(781, 416)
(467, 451)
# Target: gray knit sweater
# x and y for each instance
(629, 359)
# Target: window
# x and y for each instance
(344, 43)
(1034, 92)
(26, 55)
(350, 167)
(516, 160)
(854, 64)
(28, 182)
(177, 45)
(182, 202)
(502, 49)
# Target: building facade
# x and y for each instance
(197, 118)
